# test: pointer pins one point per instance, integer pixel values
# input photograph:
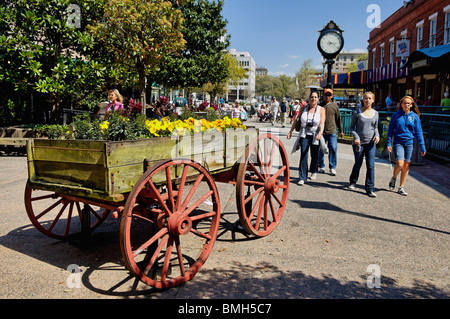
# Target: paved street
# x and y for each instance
(323, 248)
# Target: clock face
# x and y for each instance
(331, 43)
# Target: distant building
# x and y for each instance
(245, 89)
(260, 70)
(345, 59)
(410, 52)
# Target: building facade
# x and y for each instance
(261, 70)
(346, 59)
(420, 25)
(245, 89)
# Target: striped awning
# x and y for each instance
(359, 78)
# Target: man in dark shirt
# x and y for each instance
(283, 109)
(180, 104)
(332, 124)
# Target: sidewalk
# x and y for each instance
(437, 173)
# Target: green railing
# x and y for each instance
(436, 127)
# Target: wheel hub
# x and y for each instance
(272, 185)
(179, 224)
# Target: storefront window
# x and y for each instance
(433, 25)
(447, 28)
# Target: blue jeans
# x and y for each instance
(403, 152)
(306, 145)
(332, 141)
(368, 151)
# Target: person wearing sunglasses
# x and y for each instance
(333, 122)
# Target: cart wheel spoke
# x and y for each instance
(197, 203)
(181, 187)
(253, 168)
(69, 218)
(272, 209)
(167, 259)
(191, 192)
(170, 245)
(158, 197)
(255, 207)
(272, 155)
(50, 208)
(56, 218)
(155, 255)
(180, 256)
(152, 240)
(258, 191)
(255, 188)
(170, 189)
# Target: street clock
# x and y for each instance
(331, 41)
(330, 44)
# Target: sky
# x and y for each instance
(281, 34)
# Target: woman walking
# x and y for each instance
(364, 128)
(403, 127)
(311, 121)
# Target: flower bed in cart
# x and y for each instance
(103, 159)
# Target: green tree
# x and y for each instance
(139, 34)
(203, 59)
(304, 77)
(268, 86)
(287, 87)
(42, 45)
(235, 73)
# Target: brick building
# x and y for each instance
(410, 52)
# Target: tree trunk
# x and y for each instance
(141, 71)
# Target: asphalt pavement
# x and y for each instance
(332, 243)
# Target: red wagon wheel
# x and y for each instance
(167, 233)
(59, 216)
(262, 186)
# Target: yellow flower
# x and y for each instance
(104, 126)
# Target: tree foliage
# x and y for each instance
(139, 34)
(203, 59)
(69, 51)
(285, 86)
(41, 44)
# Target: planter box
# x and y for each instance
(108, 170)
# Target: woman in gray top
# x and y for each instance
(364, 128)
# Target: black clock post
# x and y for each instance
(330, 44)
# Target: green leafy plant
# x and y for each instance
(85, 129)
(384, 133)
(53, 132)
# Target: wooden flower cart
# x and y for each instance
(163, 189)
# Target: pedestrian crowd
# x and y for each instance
(318, 125)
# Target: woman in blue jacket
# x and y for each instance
(403, 127)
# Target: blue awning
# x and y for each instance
(435, 52)
(426, 57)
